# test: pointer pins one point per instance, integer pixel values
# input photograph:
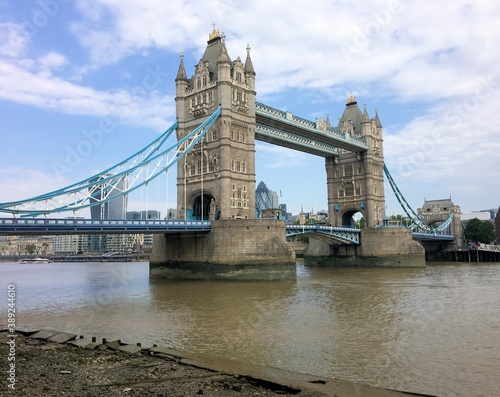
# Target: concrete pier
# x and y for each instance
(241, 249)
(380, 247)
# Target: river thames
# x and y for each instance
(434, 330)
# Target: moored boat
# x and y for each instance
(34, 260)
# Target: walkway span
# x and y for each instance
(284, 129)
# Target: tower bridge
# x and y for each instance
(218, 235)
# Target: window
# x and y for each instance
(348, 170)
(349, 191)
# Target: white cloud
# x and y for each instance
(279, 157)
(19, 183)
(50, 61)
(13, 39)
(42, 89)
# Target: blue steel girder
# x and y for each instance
(286, 121)
(294, 141)
(115, 182)
(343, 235)
(433, 236)
(416, 222)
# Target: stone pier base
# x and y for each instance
(240, 249)
(380, 247)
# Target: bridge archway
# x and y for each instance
(201, 206)
(350, 217)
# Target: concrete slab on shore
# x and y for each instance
(62, 337)
(80, 342)
(132, 349)
(290, 380)
(44, 334)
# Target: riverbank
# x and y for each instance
(49, 363)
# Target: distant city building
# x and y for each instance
(275, 201)
(497, 226)
(113, 209)
(284, 213)
(263, 197)
(25, 245)
(72, 244)
(493, 212)
(267, 203)
(143, 215)
(481, 215)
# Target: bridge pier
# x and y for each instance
(243, 249)
(380, 247)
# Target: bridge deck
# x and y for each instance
(283, 128)
(16, 226)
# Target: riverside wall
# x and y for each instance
(241, 249)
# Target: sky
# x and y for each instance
(70, 67)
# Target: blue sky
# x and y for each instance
(431, 69)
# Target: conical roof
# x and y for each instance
(352, 113)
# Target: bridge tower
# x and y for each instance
(355, 181)
(216, 180)
(438, 211)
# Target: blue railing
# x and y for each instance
(17, 226)
(346, 235)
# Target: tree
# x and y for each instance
(30, 249)
(479, 231)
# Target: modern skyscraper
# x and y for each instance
(113, 209)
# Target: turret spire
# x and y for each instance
(248, 63)
(181, 73)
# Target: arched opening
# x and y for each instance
(201, 207)
(353, 219)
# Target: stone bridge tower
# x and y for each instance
(355, 181)
(216, 180)
(435, 212)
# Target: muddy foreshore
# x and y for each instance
(40, 363)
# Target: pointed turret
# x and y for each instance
(181, 73)
(224, 64)
(181, 86)
(224, 56)
(327, 122)
(377, 120)
(248, 63)
(366, 118)
(366, 122)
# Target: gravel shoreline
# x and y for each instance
(47, 368)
